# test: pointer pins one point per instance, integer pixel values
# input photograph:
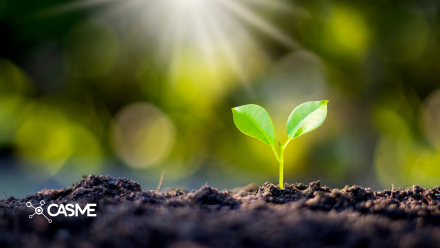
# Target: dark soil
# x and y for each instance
(299, 216)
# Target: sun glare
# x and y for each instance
(212, 29)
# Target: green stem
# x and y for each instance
(275, 151)
(280, 165)
(280, 159)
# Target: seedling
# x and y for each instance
(254, 121)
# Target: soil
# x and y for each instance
(298, 216)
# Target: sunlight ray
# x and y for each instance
(231, 23)
(76, 6)
(278, 5)
(218, 33)
(173, 40)
(229, 52)
(255, 20)
(203, 36)
(121, 9)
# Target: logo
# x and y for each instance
(38, 210)
(69, 210)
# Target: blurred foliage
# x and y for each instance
(142, 86)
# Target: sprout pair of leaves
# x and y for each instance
(254, 121)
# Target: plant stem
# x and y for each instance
(276, 154)
(280, 159)
(280, 165)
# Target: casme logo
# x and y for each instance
(69, 210)
(38, 210)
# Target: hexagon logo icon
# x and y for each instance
(38, 210)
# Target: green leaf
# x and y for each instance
(254, 121)
(306, 117)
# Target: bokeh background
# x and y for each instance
(136, 87)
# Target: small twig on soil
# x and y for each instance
(5, 194)
(392, 191)
(161, 181)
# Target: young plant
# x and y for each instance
(254, 121)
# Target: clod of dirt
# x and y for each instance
(298, 216)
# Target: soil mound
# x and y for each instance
(298, 216)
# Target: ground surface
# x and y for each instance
(299, 216)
